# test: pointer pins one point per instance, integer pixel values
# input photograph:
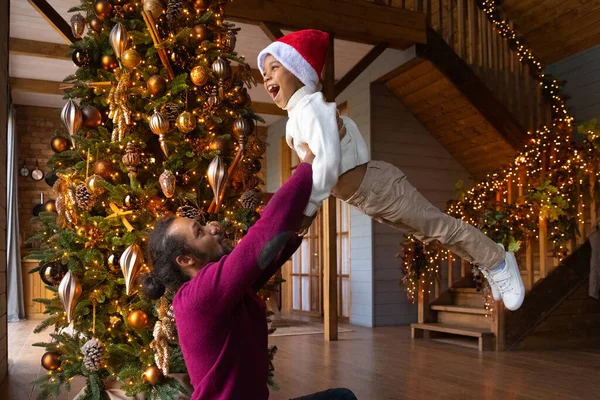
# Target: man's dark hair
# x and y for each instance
(163, 249)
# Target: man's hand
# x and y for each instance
(308, 154)
(305, 224)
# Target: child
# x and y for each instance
(291, 67)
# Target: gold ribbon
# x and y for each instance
(119, 213)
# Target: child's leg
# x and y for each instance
(387, 196)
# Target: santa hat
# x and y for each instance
(302, 53)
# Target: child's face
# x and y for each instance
(280, 83)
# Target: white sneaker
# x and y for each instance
(496, 294)
(509, 283)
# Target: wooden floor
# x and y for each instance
(381, 364)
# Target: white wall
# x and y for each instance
(398, 138)
(582, 73)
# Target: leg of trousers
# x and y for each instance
(330, 394)
(387, 196)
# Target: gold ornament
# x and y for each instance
(103, 9)
(96, 25)
(51, 360)
(157, 86)
(83, 230)
(159, 125)
(186, 122)
(131, 261)
(201, 5)
(213, 99)
(113, 262)
(59, 144)
(118, 110)
(202, 32)
(241, 128)
(152, 375)
(229, 41)
(131, 159)
(72, 118)
(109, 62)
(119, 39)
(167, 183)
(217, 176)
(199, 75)
(131, 59)
(94, 183)
(77, 25)
(91, 117)
(103, 168)
(69, 291)
(222, 70)
(164, 331)
(137, 319)
(154, 8)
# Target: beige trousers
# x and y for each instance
(387, 196)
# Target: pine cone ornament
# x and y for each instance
(171, 111)
(174, 9)
(83, 197)
(188, 211)
(94, 355)
(250, 199)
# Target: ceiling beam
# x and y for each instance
(51, 87)
(34, 86)
(268, 108)
(54, 19)
(359, 68)
(271, 30)
(38, 49)
(358, 21)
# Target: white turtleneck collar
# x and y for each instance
(300, 93)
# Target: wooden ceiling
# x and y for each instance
(555, 29)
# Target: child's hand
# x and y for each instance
(305, 224)
(309, 156)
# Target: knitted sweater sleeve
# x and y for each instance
(319, 129)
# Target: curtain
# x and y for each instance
(16, 305)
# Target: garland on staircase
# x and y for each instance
(548, 181)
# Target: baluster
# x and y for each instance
(439, 18)
(450, 270)
(423, 300)
(580, 217)
(450, 39)
(543, 225)
(481, 44)
(464, 268)
(427, 11)
(593, 205)
(529, 264)
(460, 24)
(471, 34)
(419, 5)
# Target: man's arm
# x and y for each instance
(225, 281)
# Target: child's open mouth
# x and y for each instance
(273, 90)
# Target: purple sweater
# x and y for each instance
(220, 320)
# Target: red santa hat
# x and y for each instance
(302, 53)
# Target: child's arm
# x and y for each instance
(319, 129)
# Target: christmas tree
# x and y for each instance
(160, 122)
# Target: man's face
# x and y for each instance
(280, 83)
(202, 240)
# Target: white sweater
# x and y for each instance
(314, 122)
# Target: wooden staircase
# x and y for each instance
(458, 317)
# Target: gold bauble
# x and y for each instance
(113, 262)
(91, 117)
(220, 143)
(152, 375)
(201, 5)
(94, 184)
(102, 168)
(103, 9)
(153, 7)
(186, 122)
(201, 31)
(137, 319)
(199, 75)
(83, 230)
(96, 25)
(131, 59)
(157, 85)
(59, 144)
(109, 62)
(51, 361)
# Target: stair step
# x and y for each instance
(465, 290)
(453, 329)
(467, 297)
(459, 309)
